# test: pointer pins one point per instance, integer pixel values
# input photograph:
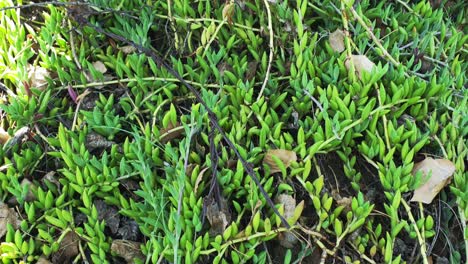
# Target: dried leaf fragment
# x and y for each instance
(287, 239)
(99, 66)
(68, 248)
(38, 77)
(336, 40)
(361, 63)
(440, 171)
(217, 214)
(8, 216)
(129, 250)
(286, 157)
(228, 11)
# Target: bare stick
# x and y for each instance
(272, 50)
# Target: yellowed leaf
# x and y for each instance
(361, 63)
(440, 171)
(286, 156)
(336, 40)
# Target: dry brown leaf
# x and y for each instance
(287, 239)
(286, 156)
(129, 250)
(228, 11)
(199, 180)
(68, 248)
(361, 63)
(8, 216)
(219, 218)
(336, 40)
(4, 136)
(99, 66)
(441, 171)
(172, 131)
(38, 77)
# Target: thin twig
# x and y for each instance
(373, 37)
(173, 27)
(271, 47)
(422, 243)
(213, 37)
(347, 40)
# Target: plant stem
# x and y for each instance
(422, 243)
(271, 48)
(384, 119)
(344, 18)
(373, 37)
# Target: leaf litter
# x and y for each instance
(128, 250)
(8, 216)
(437, 173)
(361, 64)
(336, 40)
(285, 156)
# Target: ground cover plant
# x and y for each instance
(352, 115)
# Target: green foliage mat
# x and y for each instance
(107, 157)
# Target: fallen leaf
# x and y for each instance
(171, 132)
(68, 248)
(218, 215)
(286, 156)
(8, 216)
(287, 239)
(440, 171)
(99, 66)
(129, 250)
(228, 12)
(336, 40)
(38, 77)
(199, 180)
(361, 63)
(4, 136)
